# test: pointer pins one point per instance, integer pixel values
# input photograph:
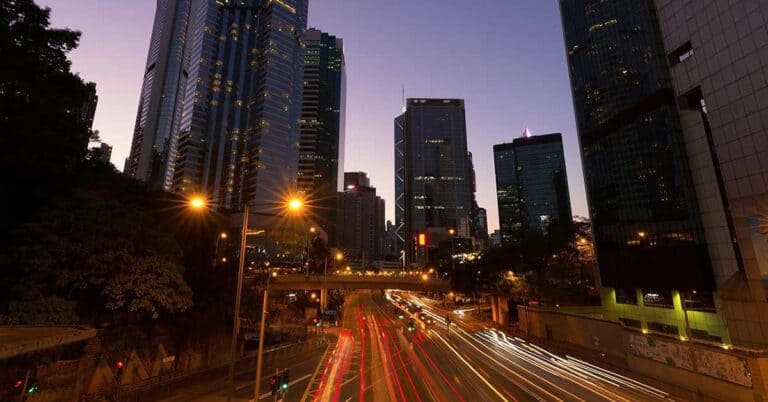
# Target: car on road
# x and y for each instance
(426, 319)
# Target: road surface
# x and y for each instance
(377, 359)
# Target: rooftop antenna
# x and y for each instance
(526, 132)
(403, 98)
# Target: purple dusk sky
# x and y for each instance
(505, 58)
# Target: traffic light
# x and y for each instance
(33, 388)
(284, 380)
(119, 366)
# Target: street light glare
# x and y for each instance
(339, 256)
(295, 204)
(197, 202)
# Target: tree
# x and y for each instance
(42, 136)
(545, 267)
(106, 255)
(79, 243)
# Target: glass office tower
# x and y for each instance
(646, 225)
(153, 147)
(510, 220)
(322, 124)
(531, 185)
(239, 131)
(437, 189)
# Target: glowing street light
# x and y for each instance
(424, 277)
(451, 231)
(641, 234)
(295, 204)
(223, 235)
(312, 229)
(197, 203)
(339, 256)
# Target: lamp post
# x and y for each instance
(452, 232)
(293, 205)
(238, 296)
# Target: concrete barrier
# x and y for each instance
(703, 371)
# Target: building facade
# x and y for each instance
(322, 124)
(436, 192)
(718, 57)
(531, 185)
(399, 229)
(360, 216)
(668, 98)
(510, 222)
(153, 149)
(221, 100)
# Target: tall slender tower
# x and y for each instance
(322, 125)
(153, 147)
(238, 121)
(436, 184)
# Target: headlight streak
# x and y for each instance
(569, 368)
(496, 391)
(583, 370)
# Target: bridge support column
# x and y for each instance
(323, 299)
(503, 306)
(494, 302)
(499, 309)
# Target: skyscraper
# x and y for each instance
(650, 243)
(322, 124)
(240, 131)
(399, 229)
(221, 99)
(153, 148)
(435, 165)
(360, 215)
(718, 76)
(510, 221)
(531, 185)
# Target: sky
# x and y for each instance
(505, 58)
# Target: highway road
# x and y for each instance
(378, 359)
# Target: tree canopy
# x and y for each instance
(79, 242)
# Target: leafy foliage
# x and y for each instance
(547, 267)
(79, 242)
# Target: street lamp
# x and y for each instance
(197, 203)
(293, 205)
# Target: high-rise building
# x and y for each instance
(718, 71)
(437, 193)
(665, 172)
(239, 130)
(219, 111)
(399, 229)
(478, 226)
(153, 149)
(531, 185)
(360, 217)
(88, 110)
(322, 124)
(510, 222)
